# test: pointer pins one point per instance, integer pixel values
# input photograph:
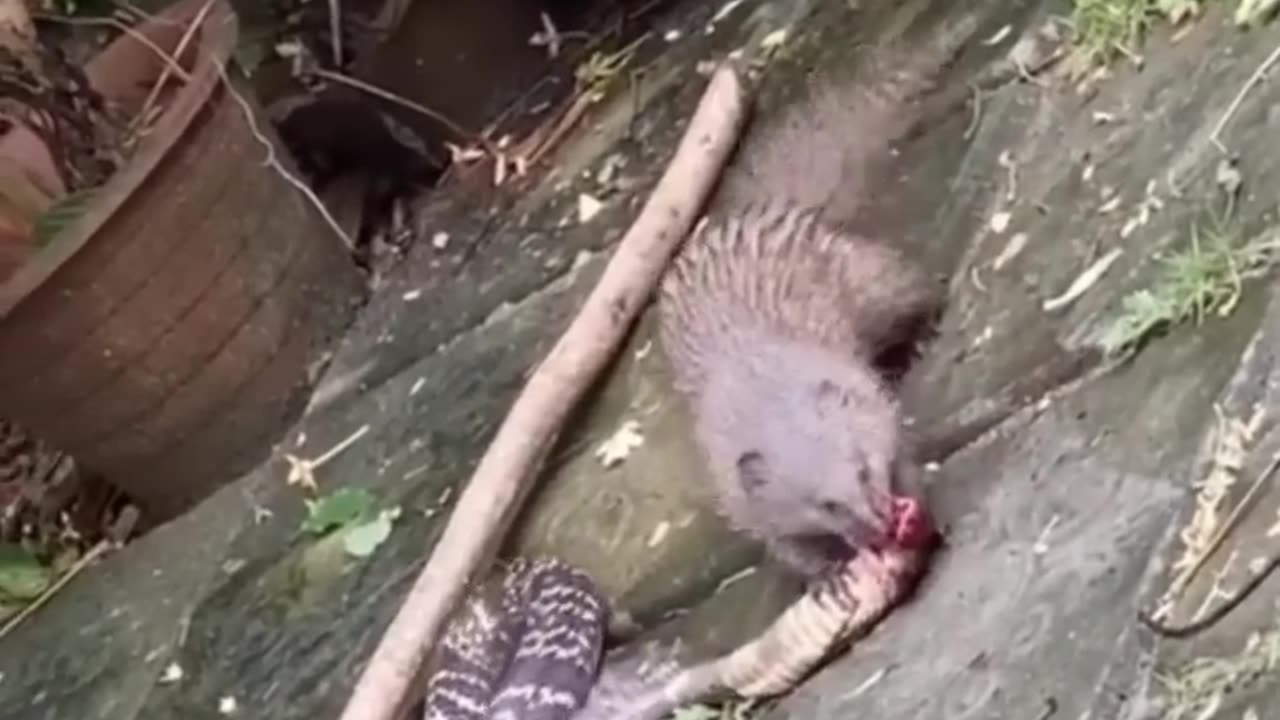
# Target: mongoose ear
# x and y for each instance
(753, 472)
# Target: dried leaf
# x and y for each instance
(172, 674)
(1254, 12)
(659, 534)
(1010, 251)
(588, 207)
(616, 449)
(774, 40)
(1178, 10)
(999, 35)
(1086, 280)
(1000, 222)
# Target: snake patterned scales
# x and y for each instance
(528, 645)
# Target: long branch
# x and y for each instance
(505, 473)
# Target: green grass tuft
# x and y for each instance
(1206, 278)
(1107, 28)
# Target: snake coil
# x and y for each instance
(528, 645)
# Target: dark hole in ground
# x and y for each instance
(53, 509)
(477, 68)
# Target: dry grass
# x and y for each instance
(1197, 690)
(1107, 28)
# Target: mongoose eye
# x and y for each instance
(862, 473)
(752, 473)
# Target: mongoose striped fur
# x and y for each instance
(773, 322)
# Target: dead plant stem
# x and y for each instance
(1254, 79)
(196, 24)
(335, 31)
(1232, 520)
(123, 27)
(398, 100)
(272, 162)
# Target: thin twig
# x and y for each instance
(1225, 529)
(392, 13)
(271, 161)
(976, 118)
(94, 553)
(504, 475)
(590, 44)
(532, 149)
(335, 31)
(125, 28)
(517, 105)
(196, 24)
(1254, 79)
(124, 7)
(302, 470)
(398, 100)
(542, 140)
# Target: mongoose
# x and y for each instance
(788, 332)
(774, 323)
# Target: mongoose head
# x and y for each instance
(821, 462)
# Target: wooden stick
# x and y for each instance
(504, 475)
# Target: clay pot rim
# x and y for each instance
(216, 42)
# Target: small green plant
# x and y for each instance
(350, 511)
(62, 214)
(342, 507)
(1105, 28)
(1206, 278)
(1197, 689)
(22, 576)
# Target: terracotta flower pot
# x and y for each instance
(164, 337)
(28, 184)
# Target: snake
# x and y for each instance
(529, 644)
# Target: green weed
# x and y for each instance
(1107, 28)
(1205, 279)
